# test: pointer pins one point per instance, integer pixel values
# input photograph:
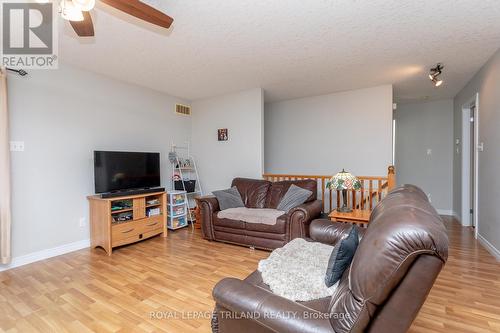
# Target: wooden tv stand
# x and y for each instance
(107, 232)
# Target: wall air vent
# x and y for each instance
(183, 109)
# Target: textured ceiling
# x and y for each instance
(292, 48)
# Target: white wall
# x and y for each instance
(420, 127)
(323, 134)
(242, 155)
(487, 83)
(62, 116)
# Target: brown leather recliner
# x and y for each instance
(398, 259)
(260, 194)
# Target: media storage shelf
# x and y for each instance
(118, 211)
(114, 224)
(155, 205)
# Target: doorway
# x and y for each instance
(470, 145)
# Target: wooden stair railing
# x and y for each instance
(373, 189)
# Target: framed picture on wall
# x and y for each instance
(222, 134)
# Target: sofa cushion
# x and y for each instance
(278, 189)
(229, 198)
(251, 215)
(249, 240)
(320, 304)
(235, 224)
(264, 229)
(252, 191)
(294, 197)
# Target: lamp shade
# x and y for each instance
(344, 181)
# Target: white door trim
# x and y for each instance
(466, 153)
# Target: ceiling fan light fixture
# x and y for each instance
(435, 73)
(84, 5)
(70, 12)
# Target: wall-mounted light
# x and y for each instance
(435, 73)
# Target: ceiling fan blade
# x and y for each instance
(142, 11)
(84, 28)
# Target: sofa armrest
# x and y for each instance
(328, 232)
(301, 216)
(208, 206)
(279, 314)
(211, 201)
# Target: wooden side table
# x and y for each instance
(357, 216)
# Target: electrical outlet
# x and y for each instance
(17, 146)
(82, 222)
(429, 151)
(430, 197)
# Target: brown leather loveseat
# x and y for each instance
(260, 194)
(399, 257)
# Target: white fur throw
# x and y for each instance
(297, 270)
(251, 215)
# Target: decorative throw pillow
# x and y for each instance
(294, 197)
(341, 257)
(229, 198)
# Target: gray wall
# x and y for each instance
(62, 116)
(420, 127)
(323, 134)
(487, 83)
(242, 155)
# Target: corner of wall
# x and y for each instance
(242, 113)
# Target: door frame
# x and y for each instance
(466, 163)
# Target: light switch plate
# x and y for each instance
(17, 146)
(480, 147)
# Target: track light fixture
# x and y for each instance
(435, 73)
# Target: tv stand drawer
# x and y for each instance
(135, 238)
(134, 229)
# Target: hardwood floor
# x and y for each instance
(466, 295)
(165, 286)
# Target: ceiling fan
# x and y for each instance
(77, 12)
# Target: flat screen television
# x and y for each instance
(121, 171)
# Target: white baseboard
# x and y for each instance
(45, 254)
(445, 212)
(488, 246)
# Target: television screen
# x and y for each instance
(116, 170)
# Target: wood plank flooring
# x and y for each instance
(165, 286)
